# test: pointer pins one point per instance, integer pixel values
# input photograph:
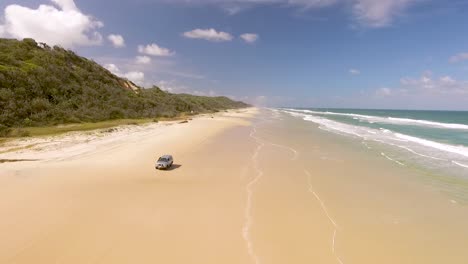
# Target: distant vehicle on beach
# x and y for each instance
(164, 162)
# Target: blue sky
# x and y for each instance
(410, 54)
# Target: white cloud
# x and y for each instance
(310, 3)
(117, 40)
(174, 86)
(384, 91)
(379, 13)
(459, 57)
(143, 60)
(249, 37)
(135, 76)
(113, 68)
(240, 4)
(354, 71)
(232, 10)
(447, 80)
(427, 85)
(63, 24)
(208, 34)
(368, 13)
(169, 86)
(155, 50)
(425, 82)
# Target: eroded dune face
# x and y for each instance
(250, 187)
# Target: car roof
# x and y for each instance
(166, 156)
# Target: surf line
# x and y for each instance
(394, 160)
(408, 149)
(460, 164)
(293, 151)
(248, 218)
(324, 208)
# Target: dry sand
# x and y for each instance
(252, 186)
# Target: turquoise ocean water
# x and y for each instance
(433, 140)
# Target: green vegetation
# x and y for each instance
(51, 130)
(50, 86)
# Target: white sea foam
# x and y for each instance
(394, 160)
(428, 123)
(460, 164)
(417, 153)
(424, 148)
(444, 147)
(389, 120)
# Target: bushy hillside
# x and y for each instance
(42, 85)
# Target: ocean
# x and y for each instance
(436, 141)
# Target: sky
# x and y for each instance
(397, 54)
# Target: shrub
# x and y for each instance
(40, 85)
(4, 130)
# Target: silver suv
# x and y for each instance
(164, 162)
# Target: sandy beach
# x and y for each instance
(248, 186)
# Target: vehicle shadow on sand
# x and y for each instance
(173, 167)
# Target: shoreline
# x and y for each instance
(252, 187)
(436, 145)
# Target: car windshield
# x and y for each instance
(162, 159)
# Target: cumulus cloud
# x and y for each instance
(137, 77)
(143, 60)
(249, 37)
(459, 57)
(112, 68)
(354, 71)
(117, 40)
(171, 86)
(208, 34)
(59, 24)
(155, 50)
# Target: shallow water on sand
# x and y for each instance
(349, 204)
(278, 191)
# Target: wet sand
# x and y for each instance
(247, 188)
